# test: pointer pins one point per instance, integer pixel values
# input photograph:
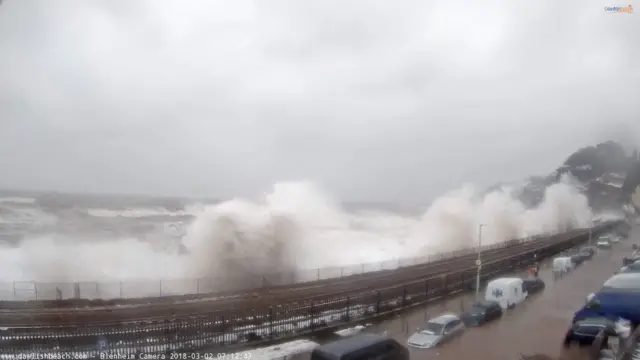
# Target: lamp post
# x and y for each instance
(479, 261)
(590, 229)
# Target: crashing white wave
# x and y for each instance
(17, 200)
(297, 226)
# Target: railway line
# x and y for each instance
(442, 265)
(462, 256)
(309, 290)
(298, 295)
(278, 315)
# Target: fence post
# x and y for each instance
(426, 289)
(362, 272)
(404, 296)
(318, 275)
(160, 284)
(311, 311)
(120, 282)
(223, 321)
(35, 289)
(341, 271)
(271, 322)
(444, 284)
(348, 309)
(198, 286)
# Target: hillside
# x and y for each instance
(604, 172)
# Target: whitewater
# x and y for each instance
(295, 226)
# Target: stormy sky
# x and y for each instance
(376, 100)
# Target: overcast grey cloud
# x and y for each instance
(376, 100)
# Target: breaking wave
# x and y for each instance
(297, 226)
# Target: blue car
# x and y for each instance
(619, 297)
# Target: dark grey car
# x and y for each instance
(362, 347)
(532, 286)
(482, 312)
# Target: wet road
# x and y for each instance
(537, 325)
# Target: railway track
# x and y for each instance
(261, 292)
(255, 291)
(311, 289)
(298, 295)
(210, 327)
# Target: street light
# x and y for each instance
(590, 227)
(479, 261)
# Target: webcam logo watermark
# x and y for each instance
(619, 9)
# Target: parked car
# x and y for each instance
(618, 298)
(482, 312)
(585, 331)
(630, 268)
(361, 347)
(630, 259)
(604, 243)
(588, 249)
(577, 259)
(532, 286)
(586, 255)
(437, 331)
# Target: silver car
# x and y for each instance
(437, 331)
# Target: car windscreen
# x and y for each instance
(630, 269)
(588, 329)
(432, 328)
(624, 281)
(477, 309)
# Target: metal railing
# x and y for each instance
(213, 331)
(131, 289)
(33, 290)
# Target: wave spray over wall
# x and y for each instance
(297, 226)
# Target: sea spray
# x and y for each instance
(298, 226)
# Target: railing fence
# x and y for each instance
(235, 327)
(32, 290)
(131, 289)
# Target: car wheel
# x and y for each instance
(568, 339)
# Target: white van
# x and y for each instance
(506, 291)
(562, 264)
